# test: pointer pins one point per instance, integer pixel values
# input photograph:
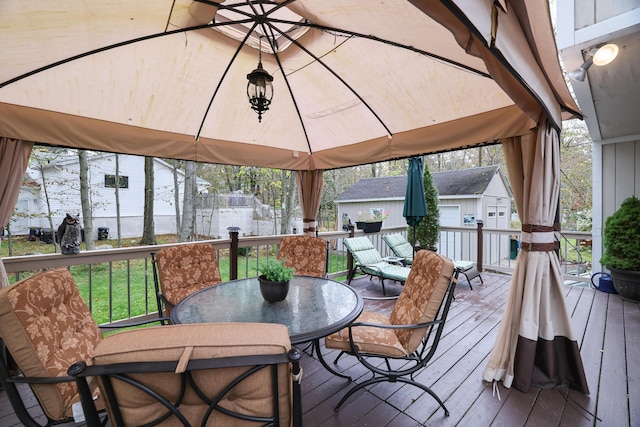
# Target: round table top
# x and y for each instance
(314, 308)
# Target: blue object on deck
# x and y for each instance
(605, 283)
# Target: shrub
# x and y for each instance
(621, 237)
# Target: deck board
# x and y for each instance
(606, 328)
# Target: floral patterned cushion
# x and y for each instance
(47, 327)
(306, 254)
(185, 269)
(368, 339)
(418, 302)
(421, 296)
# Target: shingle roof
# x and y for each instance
(461, 182)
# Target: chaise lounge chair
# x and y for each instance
(402, 249)
(370, 262)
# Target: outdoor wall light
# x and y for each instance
(599, 56)
(259, 89)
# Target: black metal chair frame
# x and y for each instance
(161, 301)
(10, 377)
(415, 361)
(119, 372)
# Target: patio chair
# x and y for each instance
(306, 254)
(370, 262)
(223, 374)
(407, 339)
(400, 247)
(46, 327)
(469, 270)
(179, 271)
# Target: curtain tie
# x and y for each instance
(540, 238)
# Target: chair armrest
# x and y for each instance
(411, 326)
(39, 380)
(112, 326)
(381, 298)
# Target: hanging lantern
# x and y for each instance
(259, 89)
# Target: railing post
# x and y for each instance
(352, 233)
(233, 252)
(480, 245)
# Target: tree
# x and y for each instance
(117, 194)
(187, 231)
(40, 157)
(428, 230)
(85, 200)
(148, 230)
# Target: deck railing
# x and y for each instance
(118, 283)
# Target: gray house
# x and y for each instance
(465, 196)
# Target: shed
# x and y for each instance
(465, 196)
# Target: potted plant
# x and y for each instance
(274, 280)
(621, 238)
(371, 223)
(428, 230)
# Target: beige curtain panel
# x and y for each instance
(14, 159)
(536, 344)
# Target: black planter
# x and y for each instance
(626, 283)
(273, 291)
(369, 227)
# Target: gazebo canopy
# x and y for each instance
(354, 81)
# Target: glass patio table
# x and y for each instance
(314, 308)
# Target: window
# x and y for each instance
(110, 181)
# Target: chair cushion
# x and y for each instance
(387, 271)
(464, 265)
(185, 269)
(213, 340)
(47, 327)
(399, 245)
(421, 296)
(368, 339)
(306, 254)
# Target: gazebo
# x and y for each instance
(335, 84)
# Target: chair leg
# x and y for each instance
(468, 281)
(376, 380)
(316, 345)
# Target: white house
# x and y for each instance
(465, 196)
(608, 95)
(63, 191)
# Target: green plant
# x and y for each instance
(376, 215)
(275, 271)
(621, 237)
(428, 230)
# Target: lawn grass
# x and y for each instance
(132, 291)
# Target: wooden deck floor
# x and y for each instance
(608, 330)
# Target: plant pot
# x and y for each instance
(273, 291)
(369, 227)
(626, 283)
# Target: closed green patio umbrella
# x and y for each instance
(415, 206)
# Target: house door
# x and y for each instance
(450, 242)
(497, 218)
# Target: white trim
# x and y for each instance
(614, 27)
(624, 138)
